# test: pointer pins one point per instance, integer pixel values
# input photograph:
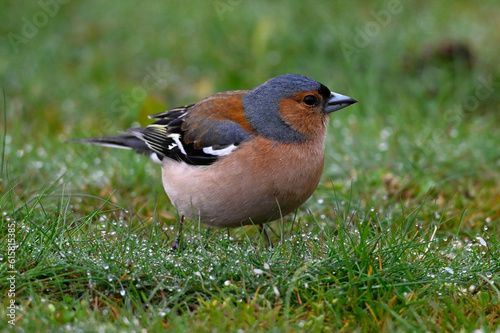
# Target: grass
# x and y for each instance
(401, 234)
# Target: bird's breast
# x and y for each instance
(258, 182)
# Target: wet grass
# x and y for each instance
(401, 235)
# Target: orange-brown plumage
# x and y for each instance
(274, 180)
(308, 120)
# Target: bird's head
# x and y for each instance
(289, 108)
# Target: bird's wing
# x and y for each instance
(199, 133)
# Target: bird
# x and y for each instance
(239, 157)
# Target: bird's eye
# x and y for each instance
(310, 100)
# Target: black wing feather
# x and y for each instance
(167, 138)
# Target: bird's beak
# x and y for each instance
(337, 102)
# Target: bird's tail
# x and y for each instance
(121, 141)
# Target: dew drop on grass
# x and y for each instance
(481, 240)
(38, 164)
(122, 292)
(383, 146)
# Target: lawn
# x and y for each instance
(402, 234)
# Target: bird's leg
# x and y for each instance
(269, 244)
(175, 245)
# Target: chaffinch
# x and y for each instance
(240, 157)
